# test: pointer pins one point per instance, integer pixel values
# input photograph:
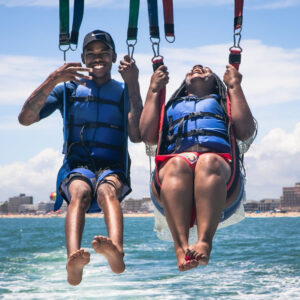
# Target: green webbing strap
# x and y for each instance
(64, 35)
(64, 20)
(132, 30)
(133, 19)
(77, 19)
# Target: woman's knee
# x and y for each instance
(212, 164)
(176, 167)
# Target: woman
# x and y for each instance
(197, 170)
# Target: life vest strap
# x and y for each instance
(93, 144)
(91, 98)
(193, 132)
(96, 125)
(194, 115)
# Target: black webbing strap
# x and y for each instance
(93, 144)
(97, 125)
(153, 19)
(103, 145)
(202, 132)
(195, 115)
(94, 99)
(77, 19)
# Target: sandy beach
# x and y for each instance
(151, 215)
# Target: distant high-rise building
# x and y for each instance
(262, 205)
(140, 205)
(14, 203)
(290, 199)
(45, 207)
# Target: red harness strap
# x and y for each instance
(169, 19)
(238, 13)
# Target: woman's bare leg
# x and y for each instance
(211, 175)
(176, 195)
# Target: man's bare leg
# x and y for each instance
(211, 174)
(176, 195)
(81, 196)
(112, 246)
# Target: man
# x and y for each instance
(99, 115)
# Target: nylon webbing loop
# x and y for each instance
(64, 19)
(235, 60)
(162, 98)
(237, 24)
(133, 20)
(132, 30)
(238, 13)
(169, 20)
(64, 35)
(153, 19)
(235, 57)
(125, 115)
(77, 19)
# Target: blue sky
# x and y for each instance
(30, 156)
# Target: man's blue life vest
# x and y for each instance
(191, 120)
(95, 122)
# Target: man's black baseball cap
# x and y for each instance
(101, 36)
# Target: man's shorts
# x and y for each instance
(93, 179)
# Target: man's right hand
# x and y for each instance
(159, 79)
(70, 72)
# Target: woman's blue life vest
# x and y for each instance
(96, 123)
(191, 120)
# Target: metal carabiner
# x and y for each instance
(64, 51)
(130, 49)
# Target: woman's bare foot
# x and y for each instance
(75, 265)
(200, 252)
(182, 263)
(114, 256)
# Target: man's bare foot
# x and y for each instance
(114, 256)
(199, 251)
(75, 265)
(182, 263)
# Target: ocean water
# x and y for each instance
(259, 258)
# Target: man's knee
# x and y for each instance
(81, 194)
(109, 189)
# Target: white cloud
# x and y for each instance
(36, 177)
(20, 75)
(273, 163)
(270, 74)
(270, 165)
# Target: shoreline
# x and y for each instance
(148, 215)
